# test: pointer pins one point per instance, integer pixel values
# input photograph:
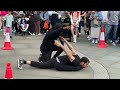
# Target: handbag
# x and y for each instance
(46, 25)
(95, 21)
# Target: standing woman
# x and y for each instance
(75, 19)
(87, 23)
(96, 20)
(37, 23)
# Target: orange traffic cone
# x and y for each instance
(7, 44)
(8, 73)
(102, 40)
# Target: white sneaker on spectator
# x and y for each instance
(1, 30)
(75, 39)
(93, 41)
(79, 33)
(39, 34)
(33, 34)
(113, 44)
(4, 33)
(88, 36)
(117, 41)
(96, 41)
(110, 41)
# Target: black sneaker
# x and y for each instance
(20, 63)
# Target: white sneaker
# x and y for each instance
(113, 44)
(88, 36)
(116, 41)
(4, 33)
(96, 41)
(93, 41)
(39, 34)
(110, 41)
(1, 30)
(33, 34)
(79, 33)
(75, 39)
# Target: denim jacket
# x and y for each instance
(99, 17)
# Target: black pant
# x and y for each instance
(81, 23)
(45, 65)
(46, 55)
(31, 28)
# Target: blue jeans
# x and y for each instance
(81, 23)
(113, 33)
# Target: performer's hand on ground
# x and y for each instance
(57, 43)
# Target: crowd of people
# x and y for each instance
(39, 22)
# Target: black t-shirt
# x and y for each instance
(48, 41)
(66, 65)
(67, 20)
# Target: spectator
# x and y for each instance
(75, 19)
(67, 23)
(105, 20)
(44, 16)
(37, 23)
(54, 17)
(24, 25)
(81, 23)
(9, 20)
(87, 24)
(96, 20)
(113, 18)
(31, 25)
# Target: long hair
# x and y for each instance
(78, 13)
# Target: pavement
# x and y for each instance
(105, 63)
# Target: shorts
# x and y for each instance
(76, 25)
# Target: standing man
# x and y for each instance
(113, 18)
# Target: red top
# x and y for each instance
(3, 13)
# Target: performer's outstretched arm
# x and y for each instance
(70, 56)
(69, 46)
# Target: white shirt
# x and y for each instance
(104, 15)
